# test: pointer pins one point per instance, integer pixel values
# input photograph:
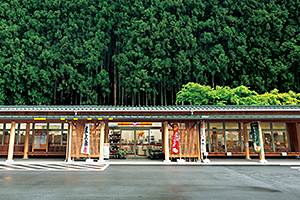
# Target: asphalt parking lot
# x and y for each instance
(155, 182)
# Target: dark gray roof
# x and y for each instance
(148, 117)
(64, 108)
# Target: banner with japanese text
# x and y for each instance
(85, 148)
(203, 139)
(256, 137)
(175, 141)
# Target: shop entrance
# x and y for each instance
(136, 141)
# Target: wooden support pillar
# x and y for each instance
(200, 155)
(163, 136)
(26, 143)
(69, 144)
(262, 154)
(11, 142)
(298, 135)
(166, 142)
(106, 138)
(246, 142)
(101, 156)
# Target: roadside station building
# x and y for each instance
(58, 130)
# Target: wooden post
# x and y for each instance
(11, 142)
(246, 142)
(298, 135)
(262, 154)
(163, 136)
(166, 142)
(69, 143)
(101, 157)
(26, 145)
(106, 139)
(200, 155)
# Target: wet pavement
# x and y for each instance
(155, 182)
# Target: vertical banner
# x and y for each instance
(175, 141)
(85, 148)
(202, 138)
(106, 151)
(256, 137)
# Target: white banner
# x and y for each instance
(85, 148)
(106, 150)
(202, 138)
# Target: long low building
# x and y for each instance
(131, 132)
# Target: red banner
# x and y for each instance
(175, 141)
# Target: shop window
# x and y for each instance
(16, 137)
(155, 136)
(216, 125)
(278, 125)
(23, 126)
(66, 125)
(21, 139)
(54, 126)
(1, 137)
(267, 138)
(207, 142)
(6, 137)
(217, 141)
(7, 125)
(51, 137)
(231, 125)
(280, 141)
(30, 137)
(233, 141)
(64, 138)
(1, 125)
(39, 126)
(265, 125)
(56, 136)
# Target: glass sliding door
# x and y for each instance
(128, 142)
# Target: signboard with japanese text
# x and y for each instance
(40, 140)
(85, 148)
(175, 141)
(256, 137)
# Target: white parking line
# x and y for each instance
(55, 166)
(16, 166)
(6, 168)
(36, 166)
(85, 167)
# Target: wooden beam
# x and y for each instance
(11, 142)
(26, 143)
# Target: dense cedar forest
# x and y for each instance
(141, 52)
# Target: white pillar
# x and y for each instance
(101, 157)
(262, 154)
(26, 145)
(11, 142)
(166, 142)
(69, 147)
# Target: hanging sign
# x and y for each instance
(256, 138)
(175, 141)
(202, 138)
(85, 148)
